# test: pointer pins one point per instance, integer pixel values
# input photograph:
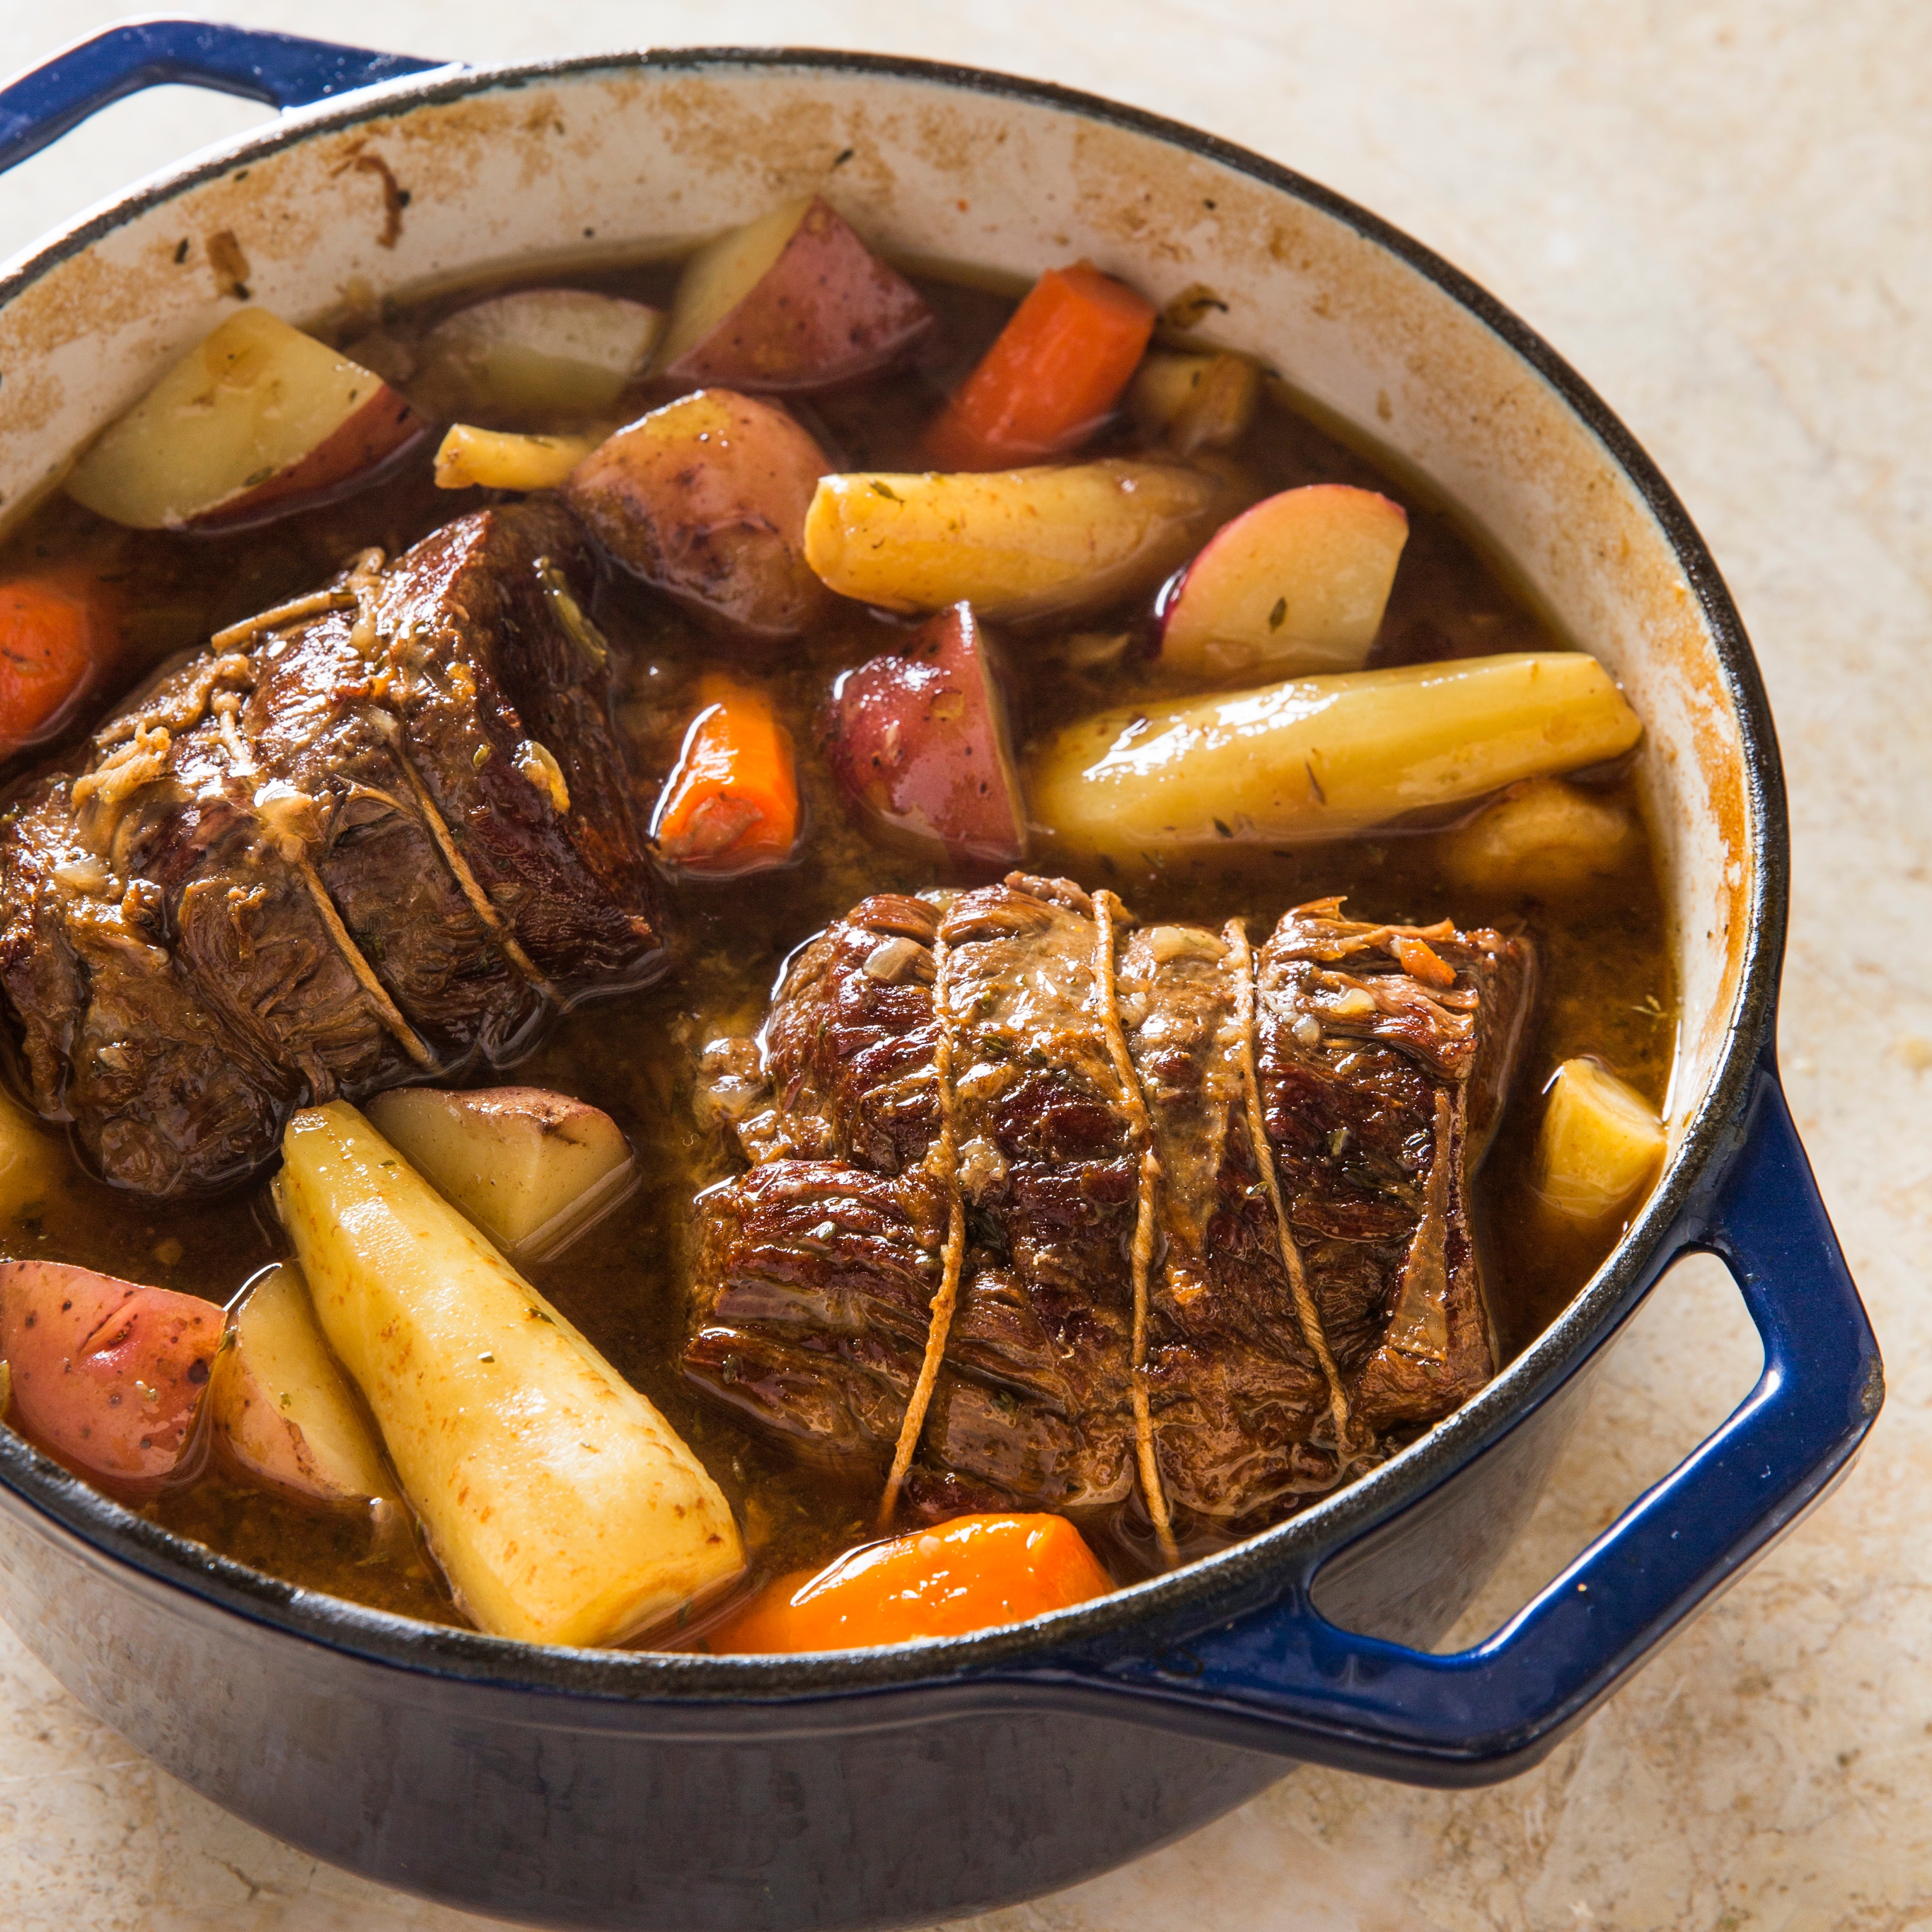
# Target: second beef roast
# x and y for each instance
(384, 834)
(1102, 1081)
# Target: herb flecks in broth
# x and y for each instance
(1604, 985)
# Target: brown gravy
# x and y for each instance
(1606, 976)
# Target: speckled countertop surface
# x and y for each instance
(1723, 215)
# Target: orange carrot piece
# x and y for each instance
(731, 805)
(1059, 367)
(53, 630)
(968, 1574)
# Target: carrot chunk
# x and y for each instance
(731, 805)
(1058, 369)
(968, 1574)
(53, 630)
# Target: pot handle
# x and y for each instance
(282, 70)
(1282, 1677)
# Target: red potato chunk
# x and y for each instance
(256, 421)
(919, 740)
(792, 302)
(107, 1373)
(1297, 584)
(705, 498)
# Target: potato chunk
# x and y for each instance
(563, 1507)
(1195, 402)
(108, 1372)
(1541, 836)
(1321, 757)
(706, 499)
(919, 739)
(1600, 1143)
(536, 359)
(256, 421)
(31, 1160)
(1298, 583)
(280, 1408)
(531, 1168)
(792, 301)
(1012, 543)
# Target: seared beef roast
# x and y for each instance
(1101, 1087)
(385, 829)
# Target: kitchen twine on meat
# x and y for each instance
(1145, 1194)
(1235, 933)
(362, 593)
(942, 1163)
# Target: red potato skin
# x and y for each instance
(826, 312)
(918, 740)
(705, 498)
(106, 1373)
(1221, 575)
(377, 432)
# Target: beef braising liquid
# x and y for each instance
(1605, 985)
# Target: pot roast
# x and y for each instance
(1195, 1218)
(381, 831)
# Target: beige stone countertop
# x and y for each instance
(1722, 214)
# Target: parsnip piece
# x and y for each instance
(1600, 1143)
(1012, 543)
(280, 1407)
(1321, 757)
(1541, 836)
(563, 1507)
(1195, 402)
(500, 459)
(530, 1168)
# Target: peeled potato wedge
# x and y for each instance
(280, 1408)
(256, 421)
(706, 499)
(536, 359)
(1601, 1144)
(1544, 836)
(1015, 544)
(107, 1372)
(530, 1168)
(32, 1161)
(1296, 585)
(791, 302)
(563, 1507)
(1323, 758)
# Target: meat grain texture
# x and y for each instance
(385, 837)
(1283, 1351)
